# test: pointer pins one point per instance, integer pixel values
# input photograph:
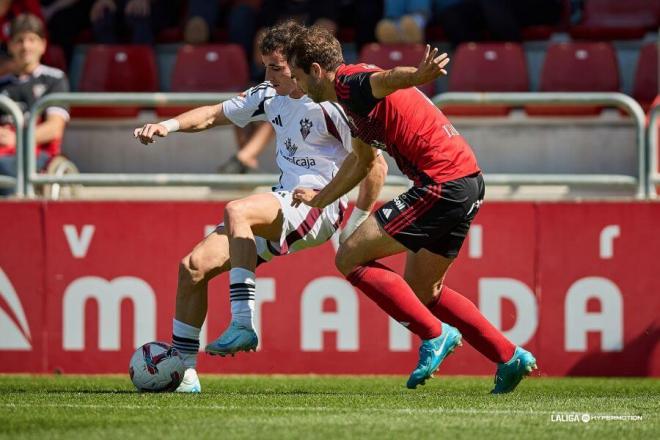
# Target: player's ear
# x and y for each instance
(316, 70)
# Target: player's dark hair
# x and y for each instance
(278, 37)
(315, 45)
(26, 23)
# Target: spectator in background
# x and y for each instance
(141, 19)
(493, 20)
(29, 81)
(65, 19)
(251, 143)
(404, 21)
(9, 9)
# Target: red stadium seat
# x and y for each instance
(488, 67)
(617, 19)
(54, 57)
(387, 56)
(645, 87)
(577, 67)
(117, 68)
(209, 68)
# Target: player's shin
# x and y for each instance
(392, 294)
(458, 311)
(241, 295)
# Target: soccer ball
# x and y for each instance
(156, 367)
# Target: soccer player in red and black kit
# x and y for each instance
(429, 221)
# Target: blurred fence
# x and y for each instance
(652, 138)
(9, 106)
(29, 177)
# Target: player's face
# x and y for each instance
(310, 83)
(27, 48)
(278, 73)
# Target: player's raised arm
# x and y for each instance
(197, 119)
(355, 167)
(430, 67)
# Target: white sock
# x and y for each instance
(241, 295)
(185, 338)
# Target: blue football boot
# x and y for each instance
(431, 354)
(236, 338)
(509, 374)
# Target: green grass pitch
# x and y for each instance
(328, 407)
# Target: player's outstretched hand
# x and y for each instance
(147, 133)
(306, 196)
(432, 66)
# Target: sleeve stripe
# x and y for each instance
(330, 124)
(341, 112)
(261, 110)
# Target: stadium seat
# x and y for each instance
(488, 67)
(387, 56)
(617, 19)
(208, 68)
(54, 57)
(645, 87)
(577, 67)
(116, 68)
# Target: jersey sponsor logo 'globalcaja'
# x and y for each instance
(290, 146)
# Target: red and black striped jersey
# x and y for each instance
(406, 124)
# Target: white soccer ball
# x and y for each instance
(156, 367)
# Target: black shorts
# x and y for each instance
(435, 217)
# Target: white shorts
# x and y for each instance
(302, 227)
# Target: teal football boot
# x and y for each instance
(431, 354)
(236, 338)
(509, 374)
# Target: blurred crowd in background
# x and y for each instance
(72, 22)
(210, 46)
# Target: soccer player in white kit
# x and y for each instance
(312, 141)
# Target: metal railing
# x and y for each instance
(138, 179)
(33, 178)
(6, 104)
(618, 100)
(120, 99)
(652, 137)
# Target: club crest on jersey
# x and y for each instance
(38, 90)
(290, 146)
(305, 127)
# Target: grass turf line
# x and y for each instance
(325, 407)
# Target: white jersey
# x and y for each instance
(312, 140)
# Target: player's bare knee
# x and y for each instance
(235, 212)
(427, 293)
(189, 275)
(343, 260)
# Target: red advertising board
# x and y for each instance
(22, 288)
(84, 283)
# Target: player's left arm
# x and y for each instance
(431, 67)
(355, 167)
(369, 191)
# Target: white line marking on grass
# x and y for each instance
(407, 411)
